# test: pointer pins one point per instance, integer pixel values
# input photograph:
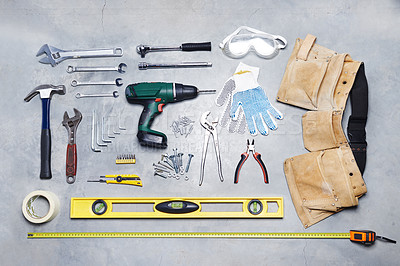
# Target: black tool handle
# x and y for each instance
(257, 156)
(45, 152)
(243, 158)
(147, 136)
(189, 47)
(45, 141)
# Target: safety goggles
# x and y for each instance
(265, 45)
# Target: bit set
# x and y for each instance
(125, 159)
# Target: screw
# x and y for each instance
(163, 176)
(180, 159)
(165, 159)
(176, 159)
(189, 160)
(165, 165)
(172, 159)
(161, 168)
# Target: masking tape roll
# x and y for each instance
(29, 213)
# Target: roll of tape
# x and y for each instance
(29, 213)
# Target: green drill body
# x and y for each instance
(153, 96)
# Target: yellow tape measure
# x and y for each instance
(365, 237)
(188, 235)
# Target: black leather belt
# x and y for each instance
(358, 118)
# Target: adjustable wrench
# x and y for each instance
(55, 55)
(120, 68)
(117, 82)
(71, 124)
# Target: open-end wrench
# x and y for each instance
(117, 82)
(186, 47)
(120, 68)
(71, 124)
(145, 66)
(55, 55)
(113, 94)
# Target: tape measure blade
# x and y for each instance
(189, 235)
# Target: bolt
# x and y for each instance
(165, 165)
(175, 159)
(161, 168)
(189, 160)
(163, 176)
(165, 159)
(180, 159)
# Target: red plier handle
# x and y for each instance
(243, 158)
(257, 156)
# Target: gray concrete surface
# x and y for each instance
(368, 30)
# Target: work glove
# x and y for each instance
(249, 98)
(225, 97)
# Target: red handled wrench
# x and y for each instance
(71, 124)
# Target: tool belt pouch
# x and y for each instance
(327, 179)
(322, 183)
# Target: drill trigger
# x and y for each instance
(160, 106)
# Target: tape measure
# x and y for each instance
(363, 237)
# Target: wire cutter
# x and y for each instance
(257, 156)
(133, 180)
(211, 129)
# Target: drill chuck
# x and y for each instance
(185, 92)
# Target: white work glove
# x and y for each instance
(225, 97)
(246, 97)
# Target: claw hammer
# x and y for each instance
(45, 92)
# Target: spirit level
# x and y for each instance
(262, 207)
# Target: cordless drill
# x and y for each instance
(153, 96)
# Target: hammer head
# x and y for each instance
(45, 91)
(52, 55)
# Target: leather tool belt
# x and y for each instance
(329, 177)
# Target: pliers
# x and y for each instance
(211, 129)
(257, 156)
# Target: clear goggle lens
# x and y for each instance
(263, 44)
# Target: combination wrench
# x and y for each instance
(120, 68)
(117, 82)
(113, 94)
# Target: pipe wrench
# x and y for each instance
(211, 129)
(71, 124)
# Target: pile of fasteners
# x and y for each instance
(171, 166)
(182, 126)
